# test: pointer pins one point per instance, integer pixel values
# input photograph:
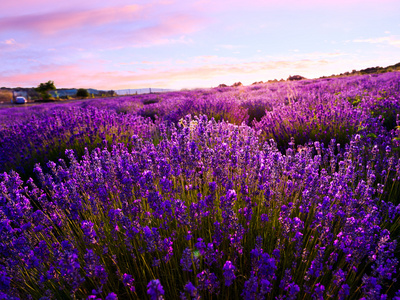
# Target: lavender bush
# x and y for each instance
(46, 136)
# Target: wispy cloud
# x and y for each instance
(291, 4)
(9, 42)
(56, 22)
(10, 45)
(109, 28)
(389, 40)
(167, 30)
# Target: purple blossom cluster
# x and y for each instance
(46, 136)
(210, 210)
(155, 290)
(229, 273)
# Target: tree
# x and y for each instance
(44, 88)
(82, 93)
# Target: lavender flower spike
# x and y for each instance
(229, 273)
(155, 290)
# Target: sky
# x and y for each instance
(124, 44)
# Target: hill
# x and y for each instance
(371, 70)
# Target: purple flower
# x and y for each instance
(150, 238)
(263, 264)
(5, 281)
(229, 272)
(191, 289)
(227, 202)
(339, 276)
(250, 289)
(264, 218)
(294, 289)
(146, 181)
(316, 268)
(212, 186)
(89, 234)
(212, 255)
(201, 246)
(189, 235)
(166, 246)
(371, 287)
(208, 282)
(93, 268)
(111, 296)
(93, 297)
(344, 291)
(288, 285)
(128, 280)
(186, 260)
(265, 287)
(218, 233)
(318, 292)
(155, 290)
(180, 213)
(68, 265)
(236, 237)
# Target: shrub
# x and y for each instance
(310, 120)
(82, 93)
(44, 88)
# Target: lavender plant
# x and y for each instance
(46, 136)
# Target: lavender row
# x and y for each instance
(316, 110)
(46, 136)
(235, 104)
(209, 212)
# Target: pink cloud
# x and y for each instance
(9, 42)
(24, 7)
(295, 6)
(10, 45)
(228, 4)
(52, 23)
(27, 7)
(60, 74)
(129, 25)
(164, 29)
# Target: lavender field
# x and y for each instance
(286, 190)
